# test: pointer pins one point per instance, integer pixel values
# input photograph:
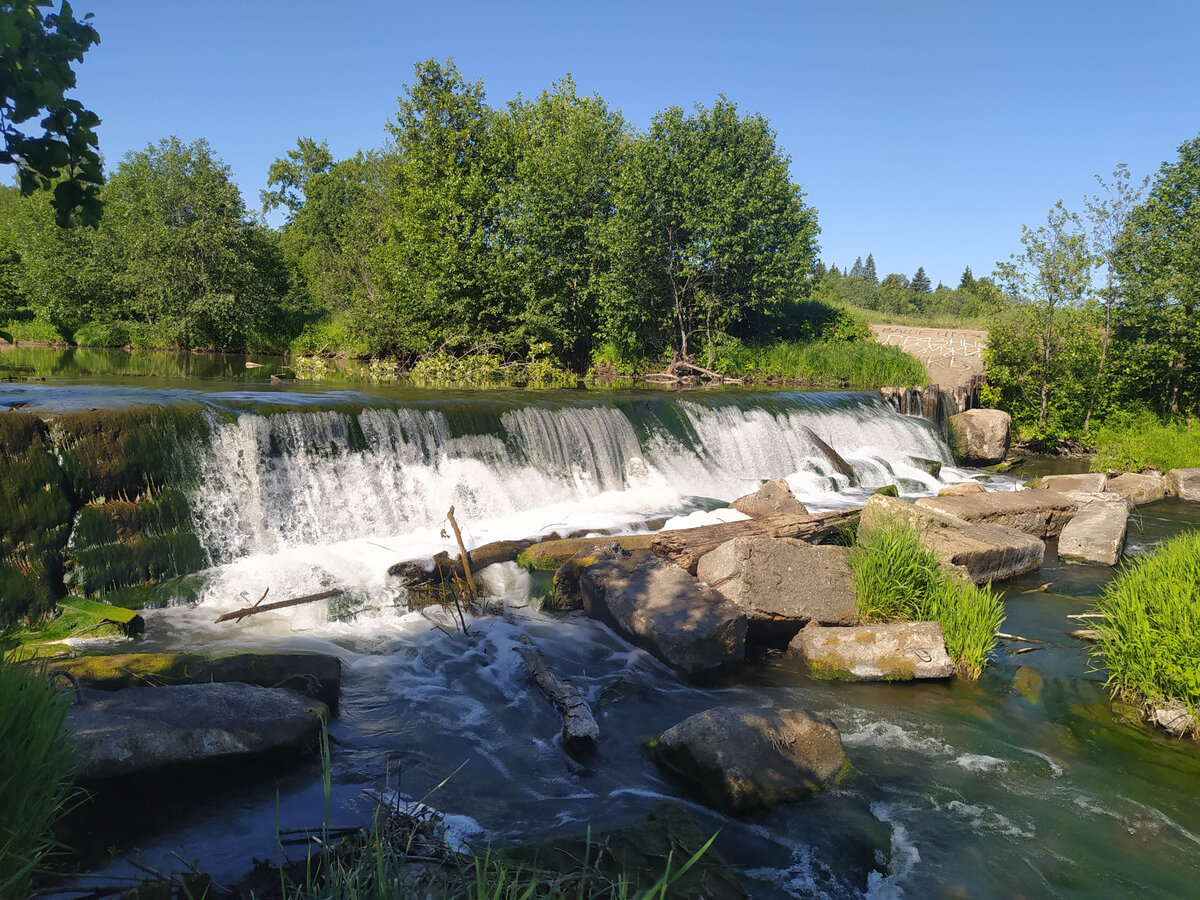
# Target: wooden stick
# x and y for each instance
(462, 555)
(239, 614)
(580, 730)
(1017, 637)
(1086, 616)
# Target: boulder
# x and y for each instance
(928, 466)
(658, 606)
(979, 552)
(1091, 482)
(962, 489)
(147, 729)
(774, 498)
(317, 674)
(782, 584)
(896, 651)
(748, 759)
(1040, 513)
(1184, 484)
(1097, 533)
(1140, 489)
(980, 436)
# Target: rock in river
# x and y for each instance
(747, 759)
(980, 436)
(1039, 513)
(1184, 484)
(896, 651)
(774, 498)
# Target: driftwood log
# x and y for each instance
(446, 568)
(687, 545)
(238, 614)
(580, 731)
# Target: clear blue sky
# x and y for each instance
(924, 132)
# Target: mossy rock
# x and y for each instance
(566, 595)
(888, 490)
(143, 558)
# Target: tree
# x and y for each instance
(967, 281)
(1158, 260)
(36, 52)
(1051, 272)
(289, 175)
(856, 270)
(711, 236)
(920, 282)
(869, 272)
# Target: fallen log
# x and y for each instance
(238, 614)
(445, 568)
(687, 545)
(580, 731)
(549, 555)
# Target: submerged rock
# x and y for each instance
(782, 584)
(658, 606)
(774, 498)
(1184, 484)
(980, 552)
(1140, 489)
(980, 436)
(146, 729)
(748, 759)
(896, 651)
(1039, 513)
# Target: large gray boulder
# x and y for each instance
(774, 498)
(1039, 513)
(1184, 484)
(782, 583)
(144, 729)
(1091, 482)
(979, 552)
(1140, 489)
(748, 759)
(661, 608)
(896, 651)
(980, 436)
(1097, 532)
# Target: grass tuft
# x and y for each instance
(1139, 442)
(1150, 636)
(896, 579)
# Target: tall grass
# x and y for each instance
(36, 759)
(1140, 441)
(1150, 636)
(896, 579)
(854, 364)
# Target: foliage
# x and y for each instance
(36, 53)
(1138, 440)
(1150, 635)
(820, 364)
(36, 760)
(897, 300)
(894, 578)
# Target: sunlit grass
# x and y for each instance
(852, 364)
(1140, 442)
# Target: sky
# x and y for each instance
(925, 132)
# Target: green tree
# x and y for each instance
(967, 281)
(289, 175)
(36, 53)
(1159, 262)
(711, 236)
(1051, 272)
(857, 270)
(920, 282)
(868, 271)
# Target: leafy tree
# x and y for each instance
(868, 270)
(920, 281)
(711, 236)
(289, 175)
(1159, 262)
(36, 53)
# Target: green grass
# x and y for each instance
(1137, 442)
(1150, 636)
(896, 579)
(32, 331)
(36, 761)
(853, 364)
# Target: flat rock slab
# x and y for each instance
(1096, 534)
(146, 729)
(982, 553)
(980, 436)
(962, 489)
(1141, 489)
(1090, 482)
(896, 651)
(1184, 484)
(1039, 513)
(775, 498)
(661, 608)
(782, 584)
(317, 674)
(748, 759)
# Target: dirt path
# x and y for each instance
(951, 355)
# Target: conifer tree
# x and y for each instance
(869, 272)
(920, 281)
(967, 281)
(856, 270)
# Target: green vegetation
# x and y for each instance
(895, 578)
(1150, 636)
(821, 364)
(36, 760)
(1134, 442)
(900, 300)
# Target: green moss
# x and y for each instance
(142, 558)
(120, 520)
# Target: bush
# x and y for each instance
(36, 759)
(1139, 440)
(839, 364)
(896, 579)
(30, 330)
(1150, 636)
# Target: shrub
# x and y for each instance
(1136, 441)
(854, 364)
(1150, 636)
(36, 759)
(896, 579)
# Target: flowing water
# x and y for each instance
(1023, 784)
